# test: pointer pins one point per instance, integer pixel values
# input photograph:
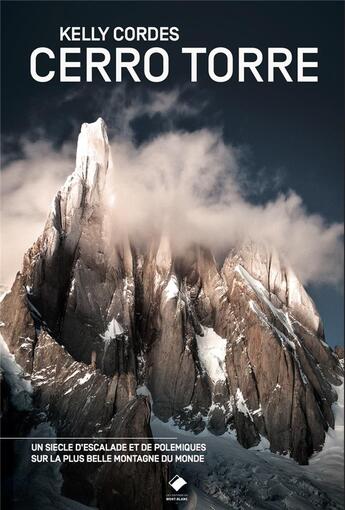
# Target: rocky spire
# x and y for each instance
(240, 347)
(83, 188)
(93, 157)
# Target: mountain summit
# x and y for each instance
(233, 346)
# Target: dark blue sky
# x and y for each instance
(296, 129)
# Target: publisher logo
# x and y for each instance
(177, 482)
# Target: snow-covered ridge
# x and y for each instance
(283, 338)
(262, 293)
(283, 317)
(268, 267)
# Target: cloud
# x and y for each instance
(187, 184)
(28, 187)
(121, 108)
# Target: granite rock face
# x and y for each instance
(339, 350)
(231, 345)
(78, 401)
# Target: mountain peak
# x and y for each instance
(177, 317)
(93, 153)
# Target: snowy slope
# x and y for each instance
(236, 478)
(329, 463)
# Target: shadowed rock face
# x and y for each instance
(238, 346)
(339, 350)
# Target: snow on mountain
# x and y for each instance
(104, 329)
(234, 477)
(328, 464)
(212, 352)
(171, 290)
(114, 328)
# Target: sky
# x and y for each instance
(274, 139)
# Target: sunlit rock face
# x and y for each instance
(233, 346)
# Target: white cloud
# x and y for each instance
(28, 186)
(186, 183)
(122, 107)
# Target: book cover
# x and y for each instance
(171, 311)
